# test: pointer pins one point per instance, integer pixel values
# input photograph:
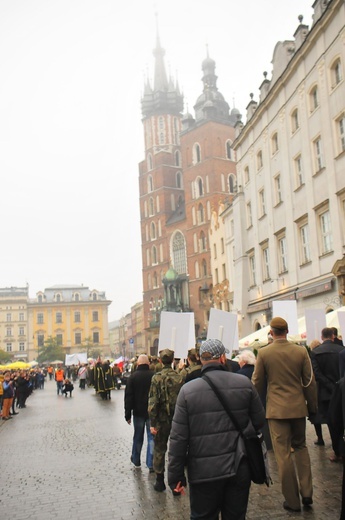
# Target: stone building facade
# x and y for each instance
(289, 212)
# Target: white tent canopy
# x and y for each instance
(260, 336)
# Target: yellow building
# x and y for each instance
(73, 314)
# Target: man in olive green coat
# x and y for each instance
(165, 386)
(291, 396)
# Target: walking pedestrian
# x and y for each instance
(291, 396)
(82, 373)
(204, 438)
(326, 364)
(165, 386)
(136, 405)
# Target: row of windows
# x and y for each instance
(9, 317)
(221, 246)
(150, 189)
(179, 252)
(197, 156)
(177, 158)
(162, 130)
(9, 331)
(325, 246)
(59, 298)
(151, 207)
(58, 317)
(59, 339)
(10, 347)
(318, 161)
(199, 189)
(339, 126)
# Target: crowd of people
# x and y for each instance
(274, 392)
(179, 404)
(15, 388)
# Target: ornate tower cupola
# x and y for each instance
(211, 103)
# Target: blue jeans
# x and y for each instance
(139, 424)
(59, 385)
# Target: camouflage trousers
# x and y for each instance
(160, 446)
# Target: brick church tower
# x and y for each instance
(189, 169)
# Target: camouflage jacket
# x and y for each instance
(165, 386)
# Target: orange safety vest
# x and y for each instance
(59, 375)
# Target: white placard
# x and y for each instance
(224, 326)
(177, 332)
(287, 310)
(341, 319)
(315, 321)
(75, 359)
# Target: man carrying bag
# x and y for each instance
(204, 438)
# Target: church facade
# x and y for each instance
(188, 171)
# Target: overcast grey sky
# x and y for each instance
(71, 79)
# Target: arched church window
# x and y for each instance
(179, 256)
(149, 162)
(204, 268)
(151, 205)
(196, 153)
(202, 242)
(154, 256)
(199, 187)
(149, 183)
(153, 231)
(232, 184)
(228, 150)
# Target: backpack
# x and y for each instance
(170, 387)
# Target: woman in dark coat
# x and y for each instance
(247, 361)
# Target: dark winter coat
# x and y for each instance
(325, 360)
(246, 370)
(336, 414)
(137, 392)
(202, 434)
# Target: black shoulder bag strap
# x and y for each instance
(225, 405)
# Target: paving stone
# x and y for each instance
(70, 458)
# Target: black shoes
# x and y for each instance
(307, 501)
(319, 442)
(292, 509)
(159, 485)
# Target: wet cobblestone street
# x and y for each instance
(70, 459)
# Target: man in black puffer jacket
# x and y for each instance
(204, 438)
(136, 402)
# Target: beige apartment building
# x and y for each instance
(13, 321)
(285, 229)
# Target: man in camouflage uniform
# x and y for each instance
(165, 386)
(155, 364)
(194, 364)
